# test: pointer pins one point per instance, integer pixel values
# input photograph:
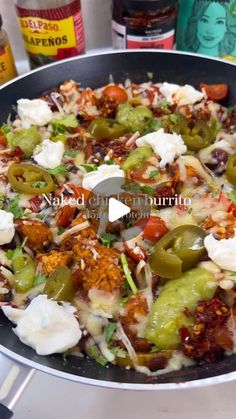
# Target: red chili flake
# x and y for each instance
(209, 337)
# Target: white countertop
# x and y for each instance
(52, 398)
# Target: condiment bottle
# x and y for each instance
(7, 65)
(51, 29)
(207, 27)
(144, 24)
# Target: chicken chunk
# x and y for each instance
(54, 260)
(99, 266)
(38, 234)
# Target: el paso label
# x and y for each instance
(42, 36)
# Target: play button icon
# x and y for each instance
(117, 210)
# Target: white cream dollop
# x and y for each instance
(222, 252)
(34, 112)
(182, 95)
(167, 146)
(104, 172)
(7, 229)
(45, 325)
(49, 154)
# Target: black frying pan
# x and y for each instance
(94, 71)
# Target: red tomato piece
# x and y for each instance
(66, 215)
(232, 209)
(116, 92)
(154, 229)
(215, 91)
(35, 204)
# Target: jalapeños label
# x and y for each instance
(47, 40)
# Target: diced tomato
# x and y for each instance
(232, 209)
(116, 92)
(225, 202)
(138, 255)
(154, 229)
(3, 141)
(65, 216)
(79, 192)
(215, 91)
(35, 204)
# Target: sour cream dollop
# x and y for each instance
(34, 112)
(104, 172)
(49, 154)
(45, 325)
(167, 146)
(222, 252)
(182, 95)
(7, 229)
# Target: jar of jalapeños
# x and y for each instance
(51, 29)
(144, 24)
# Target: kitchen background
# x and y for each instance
(51, 398)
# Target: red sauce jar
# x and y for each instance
(144, 24)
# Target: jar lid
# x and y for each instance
(143, 5)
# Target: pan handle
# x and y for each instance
(14, 378)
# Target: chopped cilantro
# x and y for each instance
(128, 273)
(174, 117)
(89, 167)
(154, 173)
(27, 213)
(71, 153)
(39, 184)
(39, 279)
(95, 354)
(40, 216)
(2, 197)
(107, 239)
(59, 170)
(164, 104)
(147, 190)
(118, 352)
(109, 162)
(60, 125)
(124, 300)
(14, 208)
(109, 331)
(154, 125)
(61, 230)
(232, 195)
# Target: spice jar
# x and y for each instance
(7, 65)
(144, 24)
(51, 29)
(207, 27)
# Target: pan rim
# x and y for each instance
(114, 52)
(194, 384)
(198, 383)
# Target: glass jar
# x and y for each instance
(51, 29)
(7, 65)
(144, 24)
(207, 27)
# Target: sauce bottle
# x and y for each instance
(207, 27)
(7, 65)
(144, 24)
(51, 29)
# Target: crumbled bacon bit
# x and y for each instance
(209, 336)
